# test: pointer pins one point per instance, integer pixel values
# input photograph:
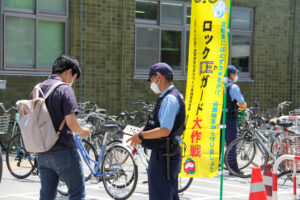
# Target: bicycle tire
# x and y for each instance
(285, 178)
(275, 144)
(1, 165)
(26, 161)
(111, 163)
(248, 154)
(186, 184)
(227, 159)
(90, 149)
(125, 156)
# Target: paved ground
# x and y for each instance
(201, 189)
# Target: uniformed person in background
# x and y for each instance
(234, 101)
(165, 124)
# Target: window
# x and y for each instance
(241, 40)
(147, 47)
(162, 30)
(34, 35)
(171, 48)
(162, 35)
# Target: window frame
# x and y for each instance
(183, 28)
(181, 75)
(244, 76)
(1, 34)
(36, 16)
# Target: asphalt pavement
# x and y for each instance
(235, 188)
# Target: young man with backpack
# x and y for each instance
(159, 134)
(62, 161)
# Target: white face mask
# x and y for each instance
(236, 78)
(71, 82)
(154, 87)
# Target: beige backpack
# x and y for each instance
(36, 125)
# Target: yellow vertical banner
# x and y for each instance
(207, 63)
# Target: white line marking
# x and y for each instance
(25, 195)
(218, 183)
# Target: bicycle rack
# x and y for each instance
(274, 174)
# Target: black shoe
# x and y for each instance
(238, 172)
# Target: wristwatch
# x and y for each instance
(141, 135)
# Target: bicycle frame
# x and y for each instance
(15, 125)
(24, 156)
(141, 154)
(87, 158)
(262, 140)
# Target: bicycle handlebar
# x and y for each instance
(8, 110)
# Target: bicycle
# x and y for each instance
(114, 165)
(139, 116)
(4, 122)
(20, 162)
(252, 150)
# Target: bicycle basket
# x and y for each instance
(291, 145)
(4, 123)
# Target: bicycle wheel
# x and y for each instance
(275, 145)
(91, 151)
(184, 183)
(62, 188)
(249, 153)
(120, 172)
(1, 165)
(20, 162)
(285, 179)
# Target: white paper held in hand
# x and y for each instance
(128, 131)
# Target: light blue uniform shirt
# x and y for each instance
(168, 110)
(235, 92)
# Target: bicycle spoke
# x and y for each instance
(122, 175)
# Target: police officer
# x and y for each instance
(234, 100)
(165, 122)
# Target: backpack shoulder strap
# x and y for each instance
(36, 91)
(55, 85)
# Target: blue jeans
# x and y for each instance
(65, 163)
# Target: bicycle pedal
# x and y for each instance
(145, 182)
(34, 173)
(95, 180)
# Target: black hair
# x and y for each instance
(64, 63)
(169, 78)
(230, 72)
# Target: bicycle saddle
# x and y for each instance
(284, 124)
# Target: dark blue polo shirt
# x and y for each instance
(60, 103)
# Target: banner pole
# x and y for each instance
(223, 137)
(224, 111)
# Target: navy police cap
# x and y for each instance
(162, 68)
(231, 69)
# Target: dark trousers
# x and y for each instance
(231, 135)
(159, 187)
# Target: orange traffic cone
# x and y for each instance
(257, 188)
